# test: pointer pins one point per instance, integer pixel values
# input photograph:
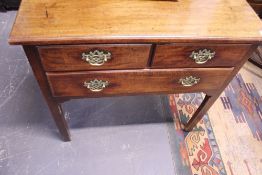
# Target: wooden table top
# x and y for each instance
(107, 21)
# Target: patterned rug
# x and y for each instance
(229, 138)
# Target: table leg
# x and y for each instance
(58, 116)
(54, 106)
(200, 112)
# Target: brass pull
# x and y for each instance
(96, 57)
(202, 56)
(189, 81)
(96, 85)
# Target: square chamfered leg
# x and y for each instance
(54, 106)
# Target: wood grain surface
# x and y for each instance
(69, 58)
(178, 55)
(126, 82)
(121, 21)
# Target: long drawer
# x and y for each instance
(106, 83)
(198, 55)
(94, 57)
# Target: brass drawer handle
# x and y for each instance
(96, 85)
(189, 81)
(96, 57)
(202, 56)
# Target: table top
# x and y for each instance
(121, 21)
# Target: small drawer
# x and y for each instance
(94, 57)
(198, 55)
(107, 83)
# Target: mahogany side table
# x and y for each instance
(100, 48)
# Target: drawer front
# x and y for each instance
(106, 83)
(94, 57)
(198, 55)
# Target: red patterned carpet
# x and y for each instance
(229, 138)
